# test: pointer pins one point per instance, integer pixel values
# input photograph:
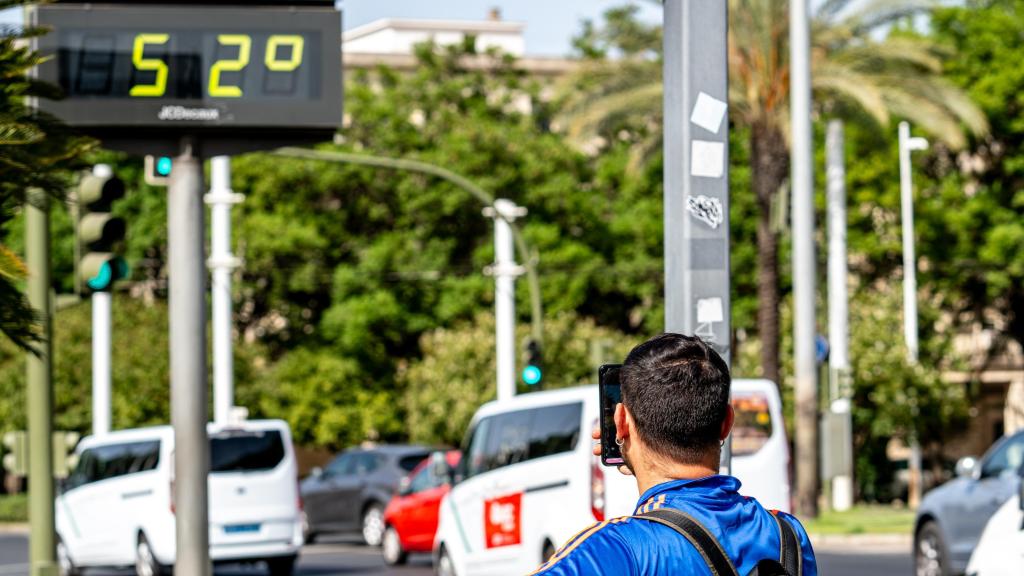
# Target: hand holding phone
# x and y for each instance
(610, 395)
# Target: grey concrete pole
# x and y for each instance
(187, 311)
(838, 305)
(221, 263)
(505, 272)
(802, 158)
(42, 550)
(696, 190)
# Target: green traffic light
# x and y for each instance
(532, 375)
(113, 269)
(163, 166)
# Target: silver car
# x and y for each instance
(952, 517)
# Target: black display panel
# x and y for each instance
(215, 71)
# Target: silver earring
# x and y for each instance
(619, 442)
(722, 444)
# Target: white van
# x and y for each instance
(117, 508)
(528, 479)
(760, 449)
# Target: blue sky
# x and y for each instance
(550, 24)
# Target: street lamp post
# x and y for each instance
(910, 144)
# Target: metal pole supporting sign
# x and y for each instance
(187, 311)
(696, 78)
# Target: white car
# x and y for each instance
(117, 508)
(528, 479)
(1000, 551)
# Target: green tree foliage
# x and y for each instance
(893, 399)
(36, 151)
(140, 375)
(974, 246)
(357, 264)
(456, 372)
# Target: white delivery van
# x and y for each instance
(528, 480)
(760, 448)
(117, 507)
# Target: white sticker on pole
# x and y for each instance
(709, 311)
(708, 113)
(707, 159)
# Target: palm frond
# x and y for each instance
(841, 83)
(11, 267)
(614, 108)
(877, 13)
(19, 134)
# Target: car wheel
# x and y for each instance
(145, 560)
(373, 525)
(308, 536)
(391, 547)
(444, 566)
(930, 555)
(64, 562)
(282, 566)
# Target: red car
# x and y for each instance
(411, 517)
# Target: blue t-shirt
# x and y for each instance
(627, 546)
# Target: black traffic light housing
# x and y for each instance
(533, 369)
(100, 233)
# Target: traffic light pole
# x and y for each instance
(505, 271)
(697, 275)
(101, 337)
(187, 307)
(40, 390)
(101, 343)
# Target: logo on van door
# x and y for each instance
(501, 520)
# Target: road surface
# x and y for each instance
(341, 558)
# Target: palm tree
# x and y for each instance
(854, 72)
(36, 152)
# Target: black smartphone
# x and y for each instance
(611, 394)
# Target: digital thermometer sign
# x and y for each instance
(222, 72)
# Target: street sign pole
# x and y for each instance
(187, 311)
(40, 390)
(696, 73)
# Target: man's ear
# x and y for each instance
(730, 419)
(622, 421)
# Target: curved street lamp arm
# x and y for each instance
(530, 257)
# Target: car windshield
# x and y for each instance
(409, 463)
(753, 425)
(245, 451)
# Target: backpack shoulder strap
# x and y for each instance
(791, 556)
(705, 543)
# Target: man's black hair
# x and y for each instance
(677, 389)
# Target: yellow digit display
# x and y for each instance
(294, 60)
(244, 43)
(159, 86)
